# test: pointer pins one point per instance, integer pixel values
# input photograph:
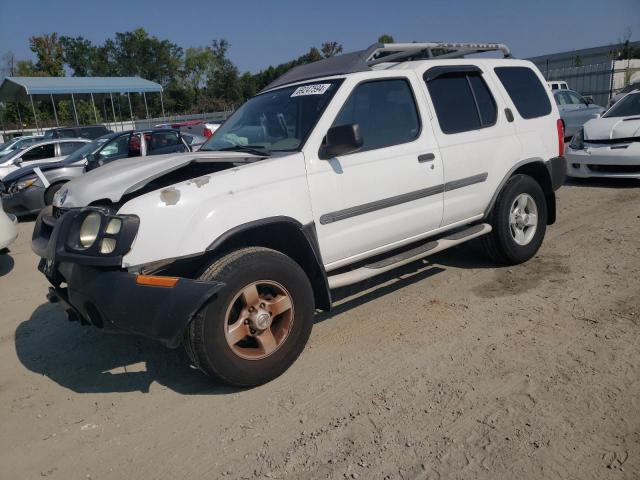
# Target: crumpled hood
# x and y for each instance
(116, 179)
(612, 128)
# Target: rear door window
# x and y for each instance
(165, 142)
(462, 101)
(40, 152)
(67, 133)
(526, 91)
(67, 148)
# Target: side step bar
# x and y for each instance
(403, 258)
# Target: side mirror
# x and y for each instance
(341, 140)
(17, 162)
(588, 100)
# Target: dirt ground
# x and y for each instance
(450, 368)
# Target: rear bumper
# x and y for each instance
(112, 300)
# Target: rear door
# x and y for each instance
(535, 117)
(390, 190)
(477, 140)
(165, 142)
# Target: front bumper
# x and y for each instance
(25, 202)
(112, 300)
(102, 294)
(604, 161)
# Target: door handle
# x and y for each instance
(509, 114)
(426, 157)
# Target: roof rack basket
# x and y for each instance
(395, 52)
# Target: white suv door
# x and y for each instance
(390, 190)
(477, 139)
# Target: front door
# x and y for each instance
(390, 190)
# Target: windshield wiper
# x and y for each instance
(255, 149)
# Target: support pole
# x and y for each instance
(162, 105)
(55, 112)
(35, 116)
(113, 109)
(133, 124)
(95, 112)
(119, 97)
(19, 116)
(146, 108)
(75, 113)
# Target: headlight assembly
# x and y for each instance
(22, 185)
(96, 232)
(89, 229)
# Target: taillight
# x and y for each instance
(207, 132)
(560, 126)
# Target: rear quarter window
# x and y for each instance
(526, 91)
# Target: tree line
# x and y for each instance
(195, 79)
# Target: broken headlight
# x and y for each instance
(98, 232)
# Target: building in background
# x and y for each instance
(591, 71)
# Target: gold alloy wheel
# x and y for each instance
(259, 320)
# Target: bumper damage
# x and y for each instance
(604, 161)
(99, 292)
(115, 302)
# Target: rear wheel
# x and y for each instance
(519, 221)
(258, 324)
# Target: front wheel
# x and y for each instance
(519, 221)
(258, 324)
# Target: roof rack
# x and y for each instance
(413, 51)
(379, 53)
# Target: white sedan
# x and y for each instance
(8, 229)
(608, 146)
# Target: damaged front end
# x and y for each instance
(81, 254)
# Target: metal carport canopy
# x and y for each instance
(19, 88)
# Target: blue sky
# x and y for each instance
(270, 32)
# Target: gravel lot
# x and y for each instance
(447, 369)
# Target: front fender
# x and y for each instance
(186, 218)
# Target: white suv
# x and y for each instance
(338, 171)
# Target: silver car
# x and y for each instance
(47, 151)
(29, 189)
(18, 143)
(575, 110)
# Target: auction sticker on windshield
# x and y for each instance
(316, 89)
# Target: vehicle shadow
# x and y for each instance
(86, 360)
(6, 263)
(603, 182)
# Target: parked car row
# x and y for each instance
(30, 177)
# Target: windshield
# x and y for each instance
(82, 152)
(626, 107)
(8, 158)
(279, 120)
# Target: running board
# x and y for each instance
(408, 256)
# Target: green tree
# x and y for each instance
(385, 39)
(330, 49)
(50, 54)
(80, 55)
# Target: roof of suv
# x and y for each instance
(382, 53)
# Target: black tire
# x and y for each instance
(205, 340)
(500, 245)
(51, 191)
